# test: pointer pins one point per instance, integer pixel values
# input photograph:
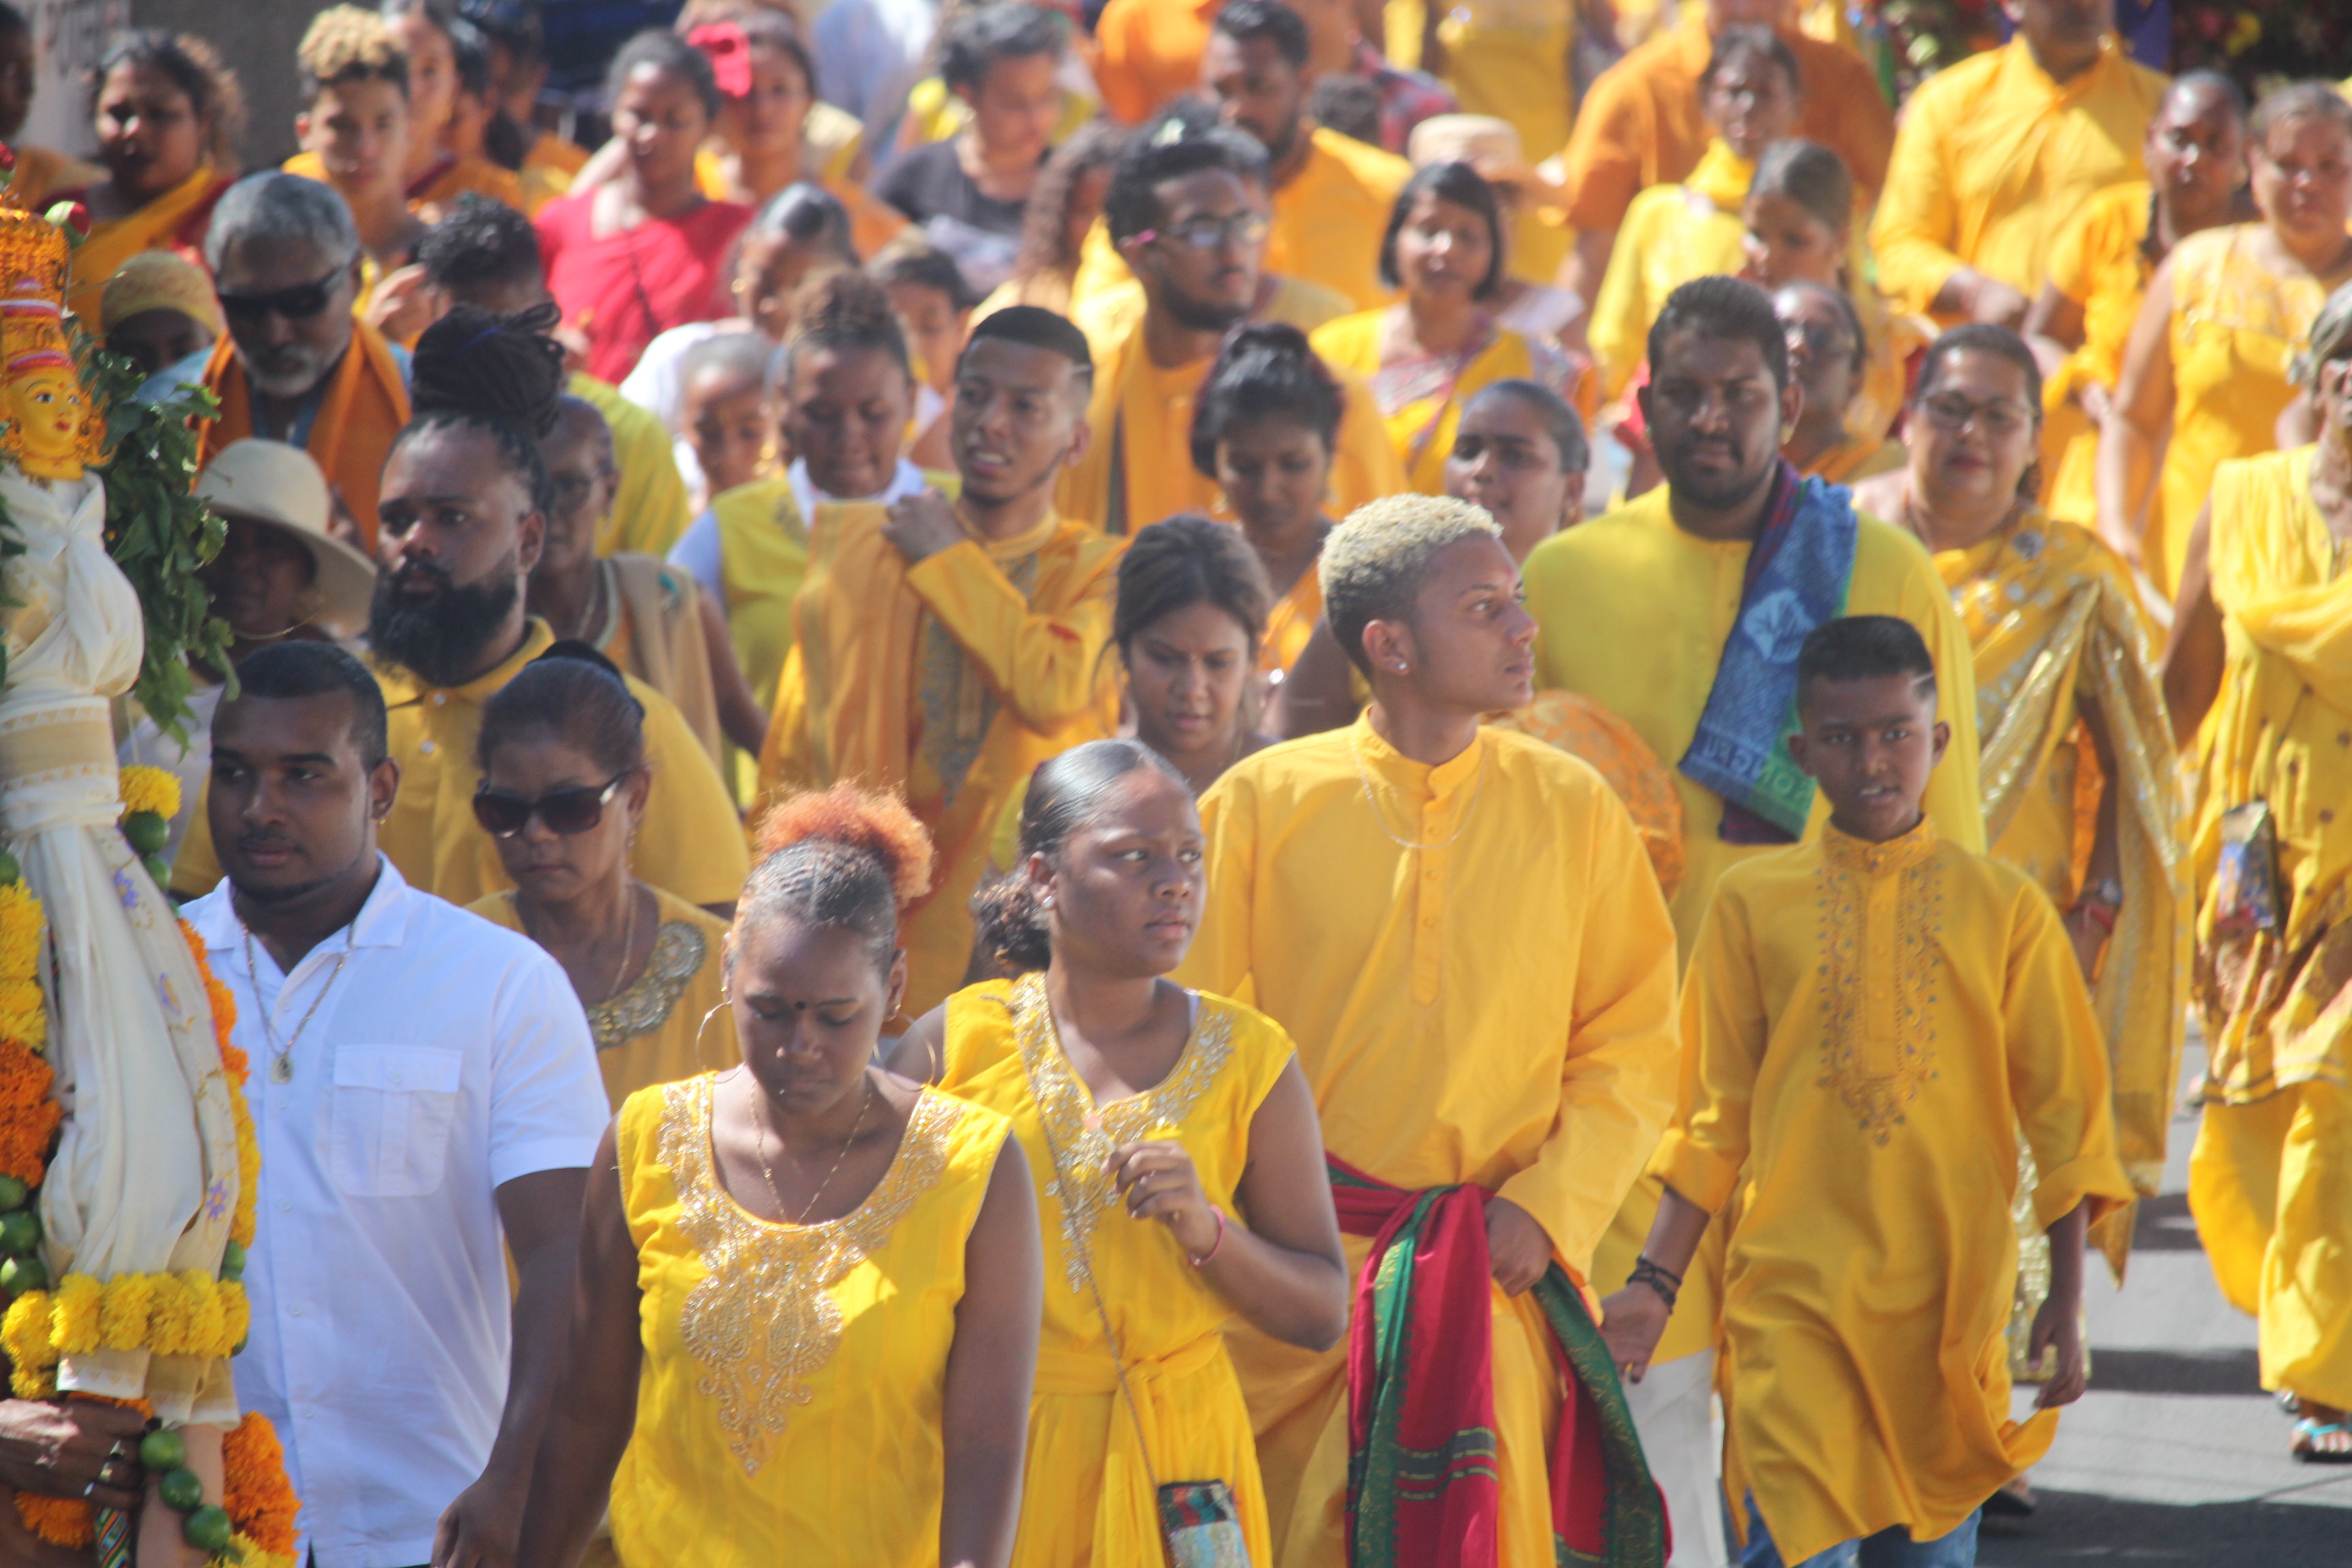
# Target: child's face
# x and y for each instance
(934, 330)
(727, 423)
(1870, 744)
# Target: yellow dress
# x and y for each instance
(789, 1405)
(1633, 613)
(1672, 234)
(1142, 418)
(654, 1032)
(1328, 218)
(2268, 1181)
(689, 843)
(948, 681)
(1869, 1022)
(2233, 327)
(2100, 262)
(1087, 1499)
(1421, 399)
(650, 508)
(1403, 974)
(1994, 159)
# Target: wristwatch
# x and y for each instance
(2106, 891)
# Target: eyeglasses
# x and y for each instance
(1209, 233)
(1951, 412)
(299, 303)
(565, 811)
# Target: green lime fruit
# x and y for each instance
(147, 831)
(163, 1450)
(159, 868)
(208, 1529)
(9, 870)
(231, 1276)
(20, 1231)
(13, 1193)
(182, 1488)
(232, 1254)
(19, 1275)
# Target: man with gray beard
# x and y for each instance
(296, 365)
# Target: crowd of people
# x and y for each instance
(1020, 888)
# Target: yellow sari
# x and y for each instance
(789, 1403)
(175, 220)
(1088, 1499)
(2268, 1181)
(1421, 397)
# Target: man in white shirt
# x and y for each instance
(424, 1084)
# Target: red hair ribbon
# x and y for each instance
(729, 53)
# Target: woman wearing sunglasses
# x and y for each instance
(564, 780)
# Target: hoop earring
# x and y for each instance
(724, 1003)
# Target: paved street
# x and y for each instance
(2176, 1456)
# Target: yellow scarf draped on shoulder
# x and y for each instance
(155, 226)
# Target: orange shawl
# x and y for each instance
(176, 220)
(364, 406)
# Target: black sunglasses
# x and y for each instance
(299, 303)
(565, 811)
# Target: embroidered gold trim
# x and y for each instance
(1879, 975)
(678, 955)
(761, 1321)
(1085, 1134)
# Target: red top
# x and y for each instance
(626, 289)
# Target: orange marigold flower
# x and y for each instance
(60, 1521)
(254, 1489)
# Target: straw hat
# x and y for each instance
(159, 281)
(1488, 144)
(271, 483)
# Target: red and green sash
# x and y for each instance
(1422, 1484)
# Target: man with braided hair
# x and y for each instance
(1459, 927)
(466, 501)
(943, 649)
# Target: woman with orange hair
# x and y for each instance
(1178, 1158)
(809, 1290)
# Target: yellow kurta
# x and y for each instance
(1420, 407)
(1994, 159)
(1851, 460)
(650, 508)
(690, 842)
(653, 1032)
(1870, 1022)
(2055, 623)
(948, 681)
(2234, 325)
(1088, 1500)
(1142, 420)
(1404, 976)
(790, 1401)
(1328, 218)
(2268, 1181)
(2099, 262)
(1672, 234)
(1634, 613)
(1106, 300)
(1512, 59)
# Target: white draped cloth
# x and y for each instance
(144, 1179)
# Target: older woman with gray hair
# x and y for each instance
(296, 365)
(2259, 676)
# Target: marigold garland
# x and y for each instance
(21, 923)
(149, 789)
(254, 1485)
(60, 1521)
(28, 1117)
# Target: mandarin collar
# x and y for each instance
(1847, 853)
(1408, 776)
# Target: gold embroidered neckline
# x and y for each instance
(1084, 1132)
(1882, 908)
(676, 958)
(1844, 852)
(761, 1321)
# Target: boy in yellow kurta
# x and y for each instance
(1870, 1013)
(943, 650)
(1386, 892)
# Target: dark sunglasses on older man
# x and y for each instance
(565, 811)
(299, 303)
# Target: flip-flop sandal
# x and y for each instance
(2309, 1433)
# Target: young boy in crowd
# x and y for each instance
(1870, 1019)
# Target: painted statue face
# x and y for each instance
(46, 406)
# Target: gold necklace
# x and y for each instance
(1461, 823)
(281, 1057)
(760, 1147)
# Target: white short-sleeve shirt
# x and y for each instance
(447, 1058)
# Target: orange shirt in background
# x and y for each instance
(1148, 53)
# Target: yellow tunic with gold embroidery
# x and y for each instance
(948, 681)
(789, 1405)
(2268, 1181)
(1389, 916)
(1870, 1022)
(653, 1032)
(2233, 326)
(1671, 234)
(1087, 1499)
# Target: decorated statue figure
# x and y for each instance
(127, 1157)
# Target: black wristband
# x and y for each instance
(1658, 1277)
